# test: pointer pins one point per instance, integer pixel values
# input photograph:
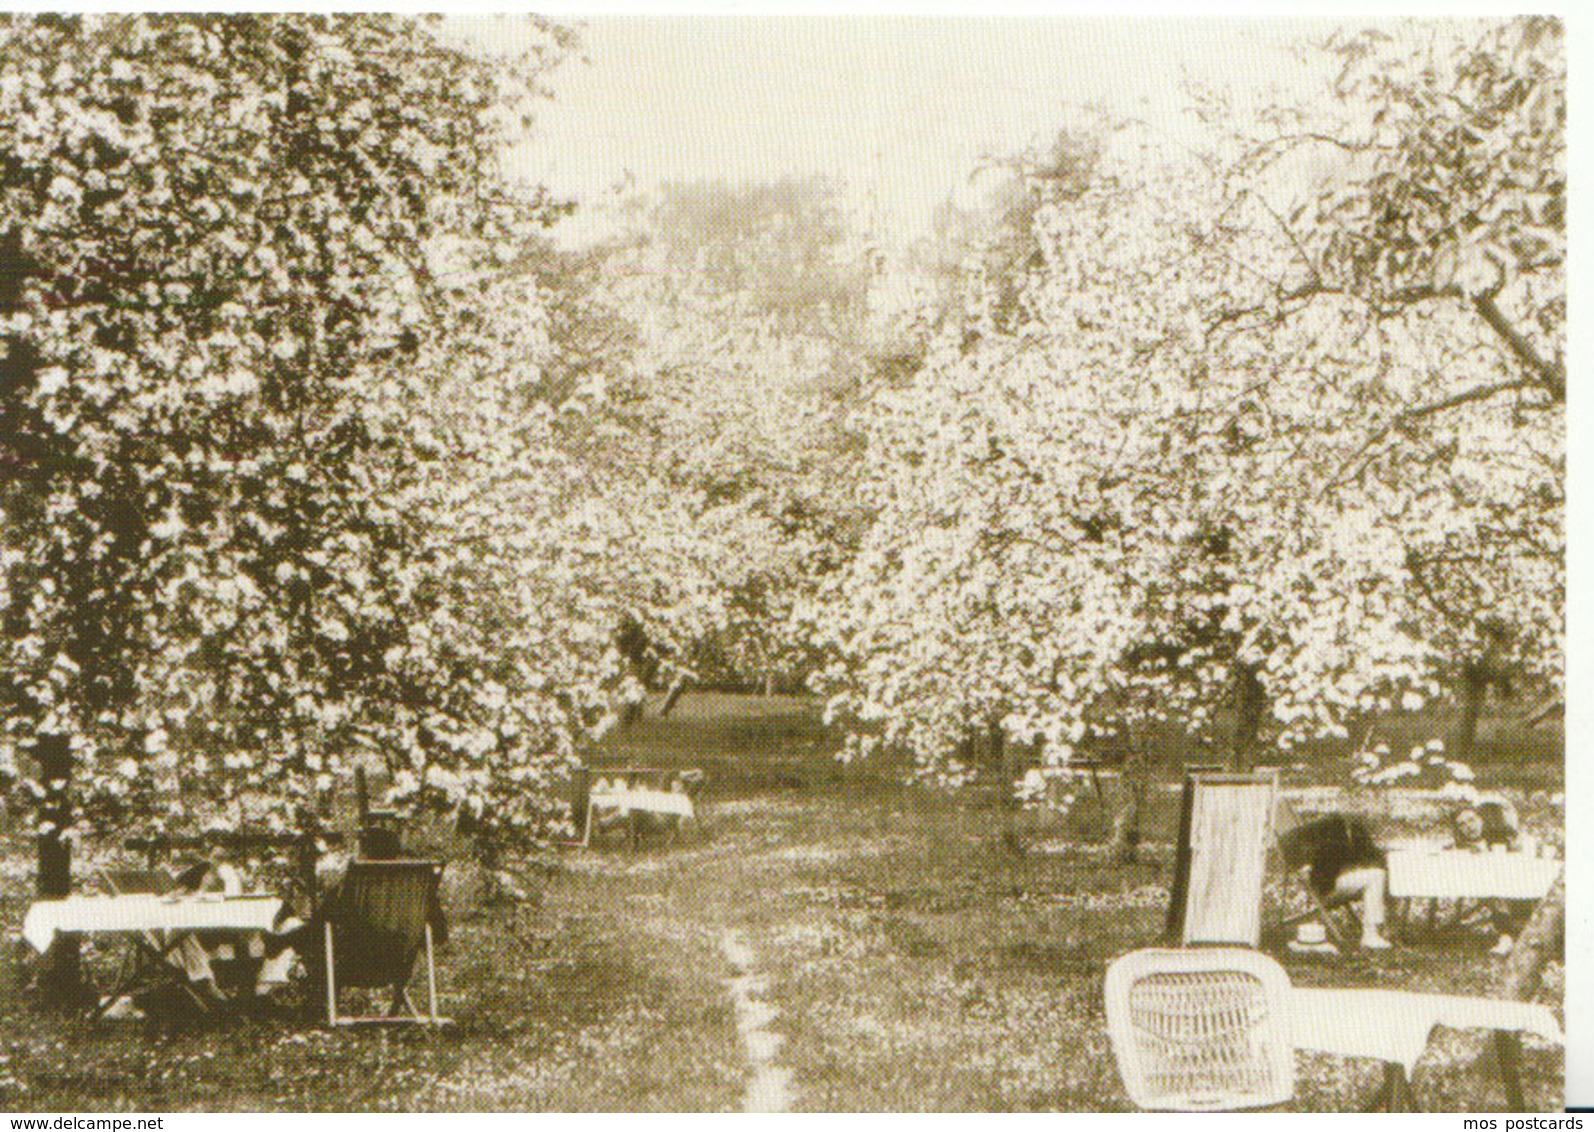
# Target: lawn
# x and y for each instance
(914, 962)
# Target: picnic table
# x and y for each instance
(633, 800)
(633, 791)
(1394, 1027)
(646, 800)
(1459, 874)
(1466, 879)
(154, 926)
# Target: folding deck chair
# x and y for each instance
(1321, 908)
(1225, 833)
(374, 928)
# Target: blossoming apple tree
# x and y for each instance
(254, 510)
(743, 307)
(1282, 437)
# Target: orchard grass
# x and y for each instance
(575, 1005)
(917, 963)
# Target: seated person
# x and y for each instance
(1487, 824)
(307, 939)
(1343, 863)
(686, 783)
(607, 816)
(193, 952)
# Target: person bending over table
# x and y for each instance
(192, 954)
(1344, 864)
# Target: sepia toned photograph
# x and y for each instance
(782, 563)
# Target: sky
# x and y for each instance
(899, 108)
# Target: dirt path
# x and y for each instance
(769, 1086)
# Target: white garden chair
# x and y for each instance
(1201, 1030)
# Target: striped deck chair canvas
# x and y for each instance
(1225, 832)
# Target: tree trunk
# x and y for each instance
(1250, 704)
(1539, 942)
(1123, 847)
(1474, 686)
(674, 694)
(1003, 757)
(60, 976)
(55, 811)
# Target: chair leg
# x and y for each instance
(1326, 915)
(127, 974)
(1395, 1093)
(1508, 1055)
(1401, 1096)
(332, 993)
(400, 1001)
(1379, 1101)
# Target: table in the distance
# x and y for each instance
(636, 800)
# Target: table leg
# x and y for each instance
(1395, 1094)
(149, 966)
(126, 976)
(1401, 1096)
(1379, 1101)
(1326, 915)
(1508, 1054)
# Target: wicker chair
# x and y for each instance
(1201, 1030)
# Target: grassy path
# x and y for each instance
(767, 1083)
(909, 963)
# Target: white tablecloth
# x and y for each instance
(649, 801)
(142, 912)
(1394, 1026)
(1451, 874)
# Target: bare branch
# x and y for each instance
(1552, 375)
(1416, 413)
(1414, 564)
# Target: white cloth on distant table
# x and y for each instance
(648, 801)
(1453, 874)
